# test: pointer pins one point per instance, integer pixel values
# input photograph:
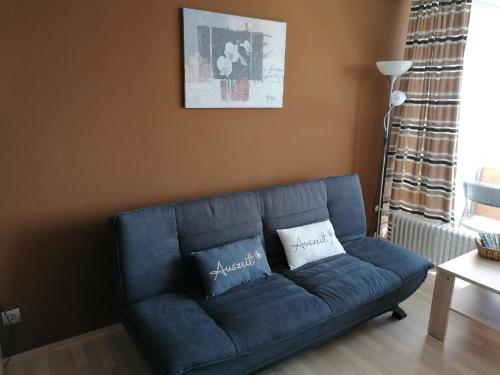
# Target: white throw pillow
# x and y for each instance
(308, 243)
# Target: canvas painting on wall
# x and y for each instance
(233, 61)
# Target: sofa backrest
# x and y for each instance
(153, 244)
(209, 222)
(147, 256)
(290, 206)
(346, 207)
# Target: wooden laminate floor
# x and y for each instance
(382, 346)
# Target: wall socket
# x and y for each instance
(14, 317)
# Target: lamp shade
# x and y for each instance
(397, 98)
(394, 68)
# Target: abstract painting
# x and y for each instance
(232, 61)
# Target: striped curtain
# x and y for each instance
(422, 154)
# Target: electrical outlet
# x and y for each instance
(14, 317)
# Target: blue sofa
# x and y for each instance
(255, 324)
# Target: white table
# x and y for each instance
(470, 267)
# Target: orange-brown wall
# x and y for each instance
(92, 123)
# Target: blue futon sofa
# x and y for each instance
(255, 324)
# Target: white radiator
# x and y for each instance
(434, 240)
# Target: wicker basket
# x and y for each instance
(493, 254)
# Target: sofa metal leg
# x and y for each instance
(398, 313)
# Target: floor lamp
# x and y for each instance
(391, 69)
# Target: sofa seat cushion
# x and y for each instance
(179, 334)
(343, 281)
(383, 254)
(264, 311)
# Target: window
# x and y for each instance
(479, 138)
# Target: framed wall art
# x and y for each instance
(232, 61)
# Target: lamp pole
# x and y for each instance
(387, 126)
(391, 69)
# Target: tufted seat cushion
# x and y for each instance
(385, 255)
(344, 281)
(176, 330)
(265, 311)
